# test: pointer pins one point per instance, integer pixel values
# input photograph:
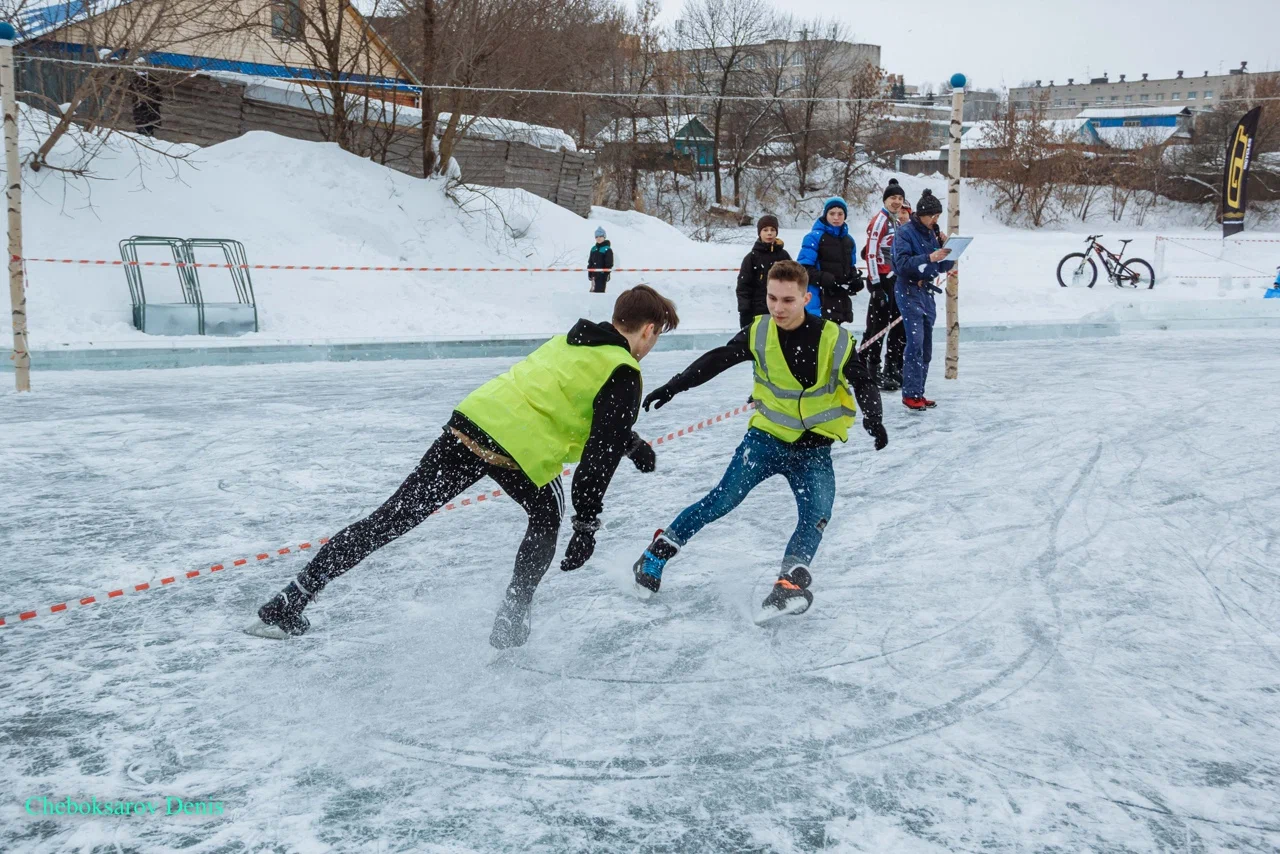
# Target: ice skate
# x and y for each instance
(281, 618)
(511, 626)
(647, 571)
(890, 383)
(790, 595)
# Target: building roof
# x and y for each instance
(1131, 139)
(978, 136)
(1132, 112)
(655, 129)
(36, 21)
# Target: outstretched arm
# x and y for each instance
(710, 364)
(867, 393)
(614, 412)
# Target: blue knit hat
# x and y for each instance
(600, 231)
(834, 202)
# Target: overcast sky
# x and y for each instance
(1000, 43)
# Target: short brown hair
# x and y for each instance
(640, 305)
(789, 271)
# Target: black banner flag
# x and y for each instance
(1235, 178)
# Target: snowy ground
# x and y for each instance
(1045, 621)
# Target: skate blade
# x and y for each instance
(644, 594)
(792, 606)
(260, 629)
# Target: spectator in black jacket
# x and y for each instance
(601, 258)
(753, 277)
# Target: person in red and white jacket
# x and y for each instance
(882, 308)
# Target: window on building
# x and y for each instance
(749, 62)
(1133, 123)
(1071, 102)
(1098, 100)
(795, 82)
(1159, 96)
(1208, 94)
(1128, 99)
(286, 20)
(1057, 102)
(1115, 99)
(797, 60)
(1144, 97)
(1191, 96)
(1176, 96)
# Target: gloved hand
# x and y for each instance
(856, 282)
(581, 544)
(876, 430)
(659, 397)
(642, 454)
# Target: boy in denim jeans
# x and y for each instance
(804, 367)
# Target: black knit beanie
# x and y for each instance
(766, 221)
(928, 205)
(894, 189)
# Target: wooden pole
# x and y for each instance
(13, 195)
(953, 225)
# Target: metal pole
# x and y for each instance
(13, 195)
(953, 223)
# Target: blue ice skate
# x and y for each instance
(648, 569)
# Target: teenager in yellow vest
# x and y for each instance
(574, 398)
(804, 367)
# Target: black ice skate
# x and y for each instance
(281, 618)
(647, 571)
(511, 626)
(790, 595)
(890, 383)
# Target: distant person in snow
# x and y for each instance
(601, 258)
(882, 307)
(828, 253)
(574, 398)
(753, 276)
(918, 259)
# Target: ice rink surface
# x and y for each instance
(1046, 619)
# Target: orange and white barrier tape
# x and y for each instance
(111, 595)
(1220, 239)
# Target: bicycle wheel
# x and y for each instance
(1077, 269)
(1136, 273)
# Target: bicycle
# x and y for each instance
(1081, 270)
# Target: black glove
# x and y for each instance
(581, 545)
(659, 397)
(856, 282)
(641, 453)
(877, 432)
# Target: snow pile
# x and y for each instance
(294, 202)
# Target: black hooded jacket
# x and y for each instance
(614, 412)
(753, 279)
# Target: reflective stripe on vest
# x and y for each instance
(541, 410)
(782, 407)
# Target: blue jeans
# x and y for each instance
(919, 311)
(760, 456)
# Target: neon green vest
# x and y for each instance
(540, 410)
(786, 409)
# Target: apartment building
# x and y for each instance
(1194, 91)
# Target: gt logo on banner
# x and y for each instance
(1235, 178)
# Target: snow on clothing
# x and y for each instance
(914, 291)
(601, 257)
(828, 253)
(464, 453)
(753, 279)
(882, 307)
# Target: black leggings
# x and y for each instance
(882, 309)
(446, 469)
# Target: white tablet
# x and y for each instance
(957, 245)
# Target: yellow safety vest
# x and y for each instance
(786, 409)
(540, 411)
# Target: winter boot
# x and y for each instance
(915, 404)
(511, 626)
(281, 618)
(890, 383)
(790, 595)
(929, 404)
(648, 569)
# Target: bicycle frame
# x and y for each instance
(1110, 260)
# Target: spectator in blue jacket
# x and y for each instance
(918, 259)
(828, 254)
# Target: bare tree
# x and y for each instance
(714, 38)
(860, 116)
(1028, 162)
(823, 63)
